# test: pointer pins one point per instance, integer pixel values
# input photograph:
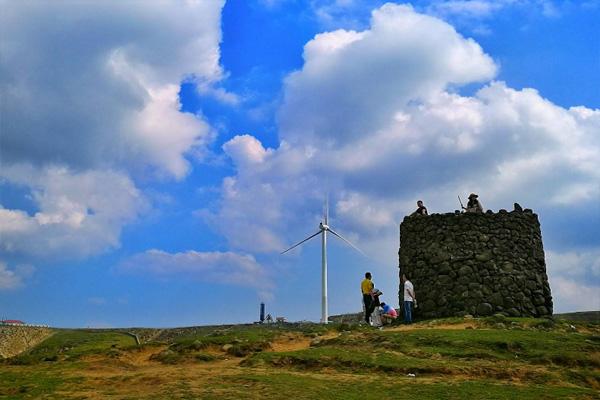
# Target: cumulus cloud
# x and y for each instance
(246, 150)
(575, 279)
(14, 278)
(97, 83)
(570, 295)
(584, 265)
(213, 267)
(361, 78)
(78, 213)
(373, 118)
(90, 105)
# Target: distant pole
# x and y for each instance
(262, 312)
(324, 317)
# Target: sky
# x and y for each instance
(156, 157)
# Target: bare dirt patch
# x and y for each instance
(296, 342)
(134, 374)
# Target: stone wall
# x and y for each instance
(477, 264)
(17, 339)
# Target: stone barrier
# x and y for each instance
(17, 339)
(478, 264)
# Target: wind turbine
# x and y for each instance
(323, 229)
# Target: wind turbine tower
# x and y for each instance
(323, 229)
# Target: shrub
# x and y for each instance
(205, 357)
(544, 324)
(167, 357)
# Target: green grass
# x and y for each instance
(285, 386)
(568, 349)
(241, 340)
(536, 357)
(529, 359)
(72, 344)
(250, 333)
(17, 384)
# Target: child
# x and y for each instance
(389, 314)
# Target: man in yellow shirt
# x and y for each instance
(366, 286)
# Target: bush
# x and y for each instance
(544, 324)
(205, 357)
(244, 348)
(24, 359)
(344, 327)
(167, 357)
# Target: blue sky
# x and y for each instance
(156, 158)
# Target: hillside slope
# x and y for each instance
(16, 339)
(491, 358)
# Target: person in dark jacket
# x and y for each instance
(421, 209)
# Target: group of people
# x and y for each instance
(378, 313)
(473, 206)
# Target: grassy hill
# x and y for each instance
(491, 358)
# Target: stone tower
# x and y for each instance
(479, 264)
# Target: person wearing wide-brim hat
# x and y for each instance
(473, 206)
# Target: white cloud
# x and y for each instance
(506, 143)
(14, 278)
(90, 102)
(162, 135)
(371, 118)
(97, 85)
(212, 267)
(79, 213)
(578, 264)
(8, 278)
(469, 8)
(246, 150)
(571, 296)
(575, 279)
(361, 78)
(336, 13)
(482, 9)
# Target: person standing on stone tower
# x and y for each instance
(366, 287)
(421, 209)
(473, 206)
(409, 299)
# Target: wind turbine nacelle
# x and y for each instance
(323, 226)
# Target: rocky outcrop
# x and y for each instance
(17, 339)
(478, 264)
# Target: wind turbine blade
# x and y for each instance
(327, 210)
(299, 243)
(347, 241)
